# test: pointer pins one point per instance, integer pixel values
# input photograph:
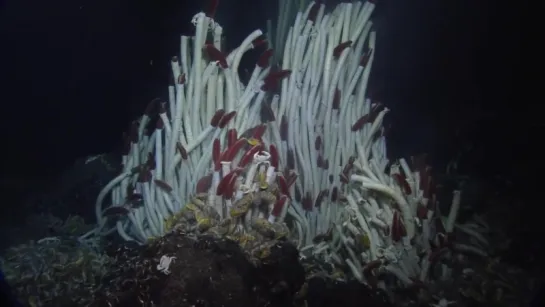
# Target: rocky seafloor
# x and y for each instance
(47, 266)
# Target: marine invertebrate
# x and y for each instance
(315, 170)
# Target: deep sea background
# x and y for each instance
(75, 73)
(457, 75)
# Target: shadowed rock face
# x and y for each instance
(216, 272)
(205, 272)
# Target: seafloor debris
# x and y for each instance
(202, 271)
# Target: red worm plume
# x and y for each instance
(181, 79)
(365, 58)
(216, 151)
(320, 161)
(263, 60)
(230, 189)
(402, 182)
(163, 185)
(204, 184)
(159, 125)
(259, 131)
(336, 99)
(144, 176)
(274, 156)
(369, 117)
(284, 128)
(212, 8)
(214, 122)
(222, 185)
(181, 150)
(215, 55)
(320, 198)
(360, 122)
(231, 137)
(313, 13)
(267, 113)
(230, 153)
(279, 206)
(272, 80)
(422, 212)
(297, 195)
(371, 265)
(260, 41)
(248, 133)
(290, 163)
(249, 155)
(150, 162)
(290, 180)
(307, 202)
(326, 164)
(334, 194)
(224, 182)
(318, 143)
(163, 108)
(343, 177)
(283, 185)
(340, 48)
(398, 228)
(115, 211)
(347, 168)
(226, 118)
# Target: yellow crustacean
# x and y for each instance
(245, 240)
(241, 206)
(190, 207)
(253, 141)
(171, 221)
(187, 213)
(273, 189)
(267, 197)
(204, 220)
(281, 230)
(223, 228)
(263, 227)
(364, 240)
(199, 203)
(338, 274)
(262, 178)
(262, 251)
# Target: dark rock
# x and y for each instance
(76, 189)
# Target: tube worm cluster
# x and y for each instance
(299, 144)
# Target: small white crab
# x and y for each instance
(164, 264)
(443, 303)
